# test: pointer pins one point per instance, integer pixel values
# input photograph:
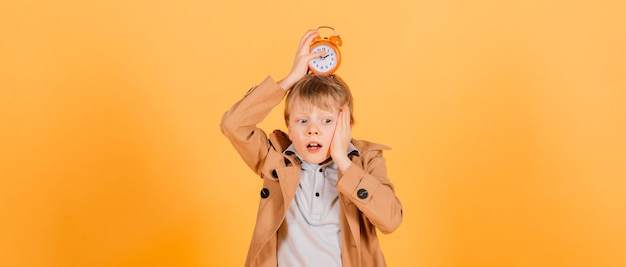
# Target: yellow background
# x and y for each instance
(507, 119)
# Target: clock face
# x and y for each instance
(325, 63)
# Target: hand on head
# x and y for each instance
(301, 61)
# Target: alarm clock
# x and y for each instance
(328, 63)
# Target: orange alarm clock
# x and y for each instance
(328, 63)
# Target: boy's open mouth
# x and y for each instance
(313, 147)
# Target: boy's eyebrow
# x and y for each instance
(323, 112)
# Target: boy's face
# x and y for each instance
(311, 131)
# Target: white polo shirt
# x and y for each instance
(311, 232)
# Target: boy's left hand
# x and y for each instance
(341, 140)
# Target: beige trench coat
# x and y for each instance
(366, 198)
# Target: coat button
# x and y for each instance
(362, 193)
(265, 193)
(274, 174)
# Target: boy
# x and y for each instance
(324, 194)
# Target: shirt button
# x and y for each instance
(362, 193)
(317, 194)
(321, 170)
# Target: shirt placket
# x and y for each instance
(317, 203)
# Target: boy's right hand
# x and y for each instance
(301, 63)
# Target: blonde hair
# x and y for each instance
(319, 91)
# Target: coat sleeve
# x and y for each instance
(239, 123)
(372, 192)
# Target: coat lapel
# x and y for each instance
(289, 175)
(351, 212)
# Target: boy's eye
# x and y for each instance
(326, 120)
(302, 121)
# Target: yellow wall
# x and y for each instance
(507, 119)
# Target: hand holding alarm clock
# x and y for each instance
(315, 54)
(329, 62)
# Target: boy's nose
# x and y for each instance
(313, 132)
